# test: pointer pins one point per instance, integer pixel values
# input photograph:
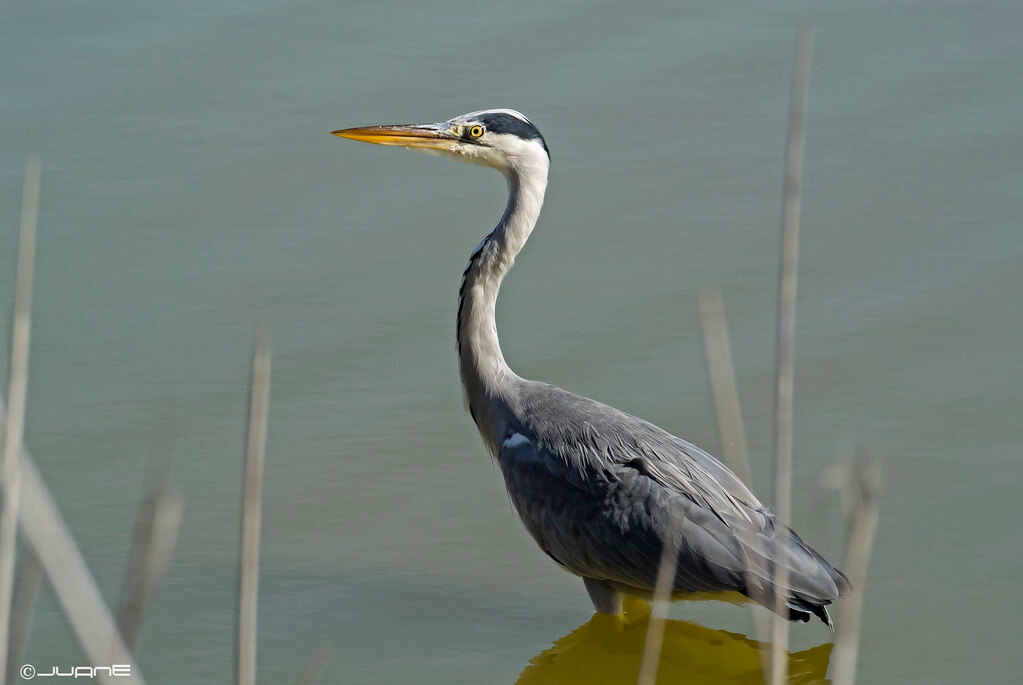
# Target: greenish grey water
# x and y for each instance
(191, 190)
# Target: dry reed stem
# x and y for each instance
(154, 537)
(17, 390)
(153, 540)
(26, 589)
(48, 535)
(315, 667)
(248, 563)
(718, 352)
(786, 339)
(865, 484)
(79, 597)
(660, 602)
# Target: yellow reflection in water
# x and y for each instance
(608, 649)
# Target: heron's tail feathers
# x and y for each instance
(799, 610)
(812, 582)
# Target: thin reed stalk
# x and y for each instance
(248, 563)
(786, 340)
(153, 540)
(76, 591)
(865, 483)
(660, 603)
(17, 390)
(47, 534)
(154, 536)
(26, 590)
(315, 667)
(718, 352)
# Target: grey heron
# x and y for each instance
(599, 490)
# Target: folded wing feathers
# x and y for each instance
(729, 539)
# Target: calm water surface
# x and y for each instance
(191, 190)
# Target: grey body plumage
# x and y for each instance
(599, 490)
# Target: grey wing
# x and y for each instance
(762, 543)
(601, 501)
(607, 522)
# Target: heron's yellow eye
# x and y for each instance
(476, 131)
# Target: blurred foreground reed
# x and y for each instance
(50, 550)
(772, 630)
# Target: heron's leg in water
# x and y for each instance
(605, 599)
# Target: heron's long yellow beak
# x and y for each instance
(432, 136)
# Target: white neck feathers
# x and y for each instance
(485, 374)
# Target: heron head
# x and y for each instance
(500, 138)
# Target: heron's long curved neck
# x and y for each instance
(485, 374)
